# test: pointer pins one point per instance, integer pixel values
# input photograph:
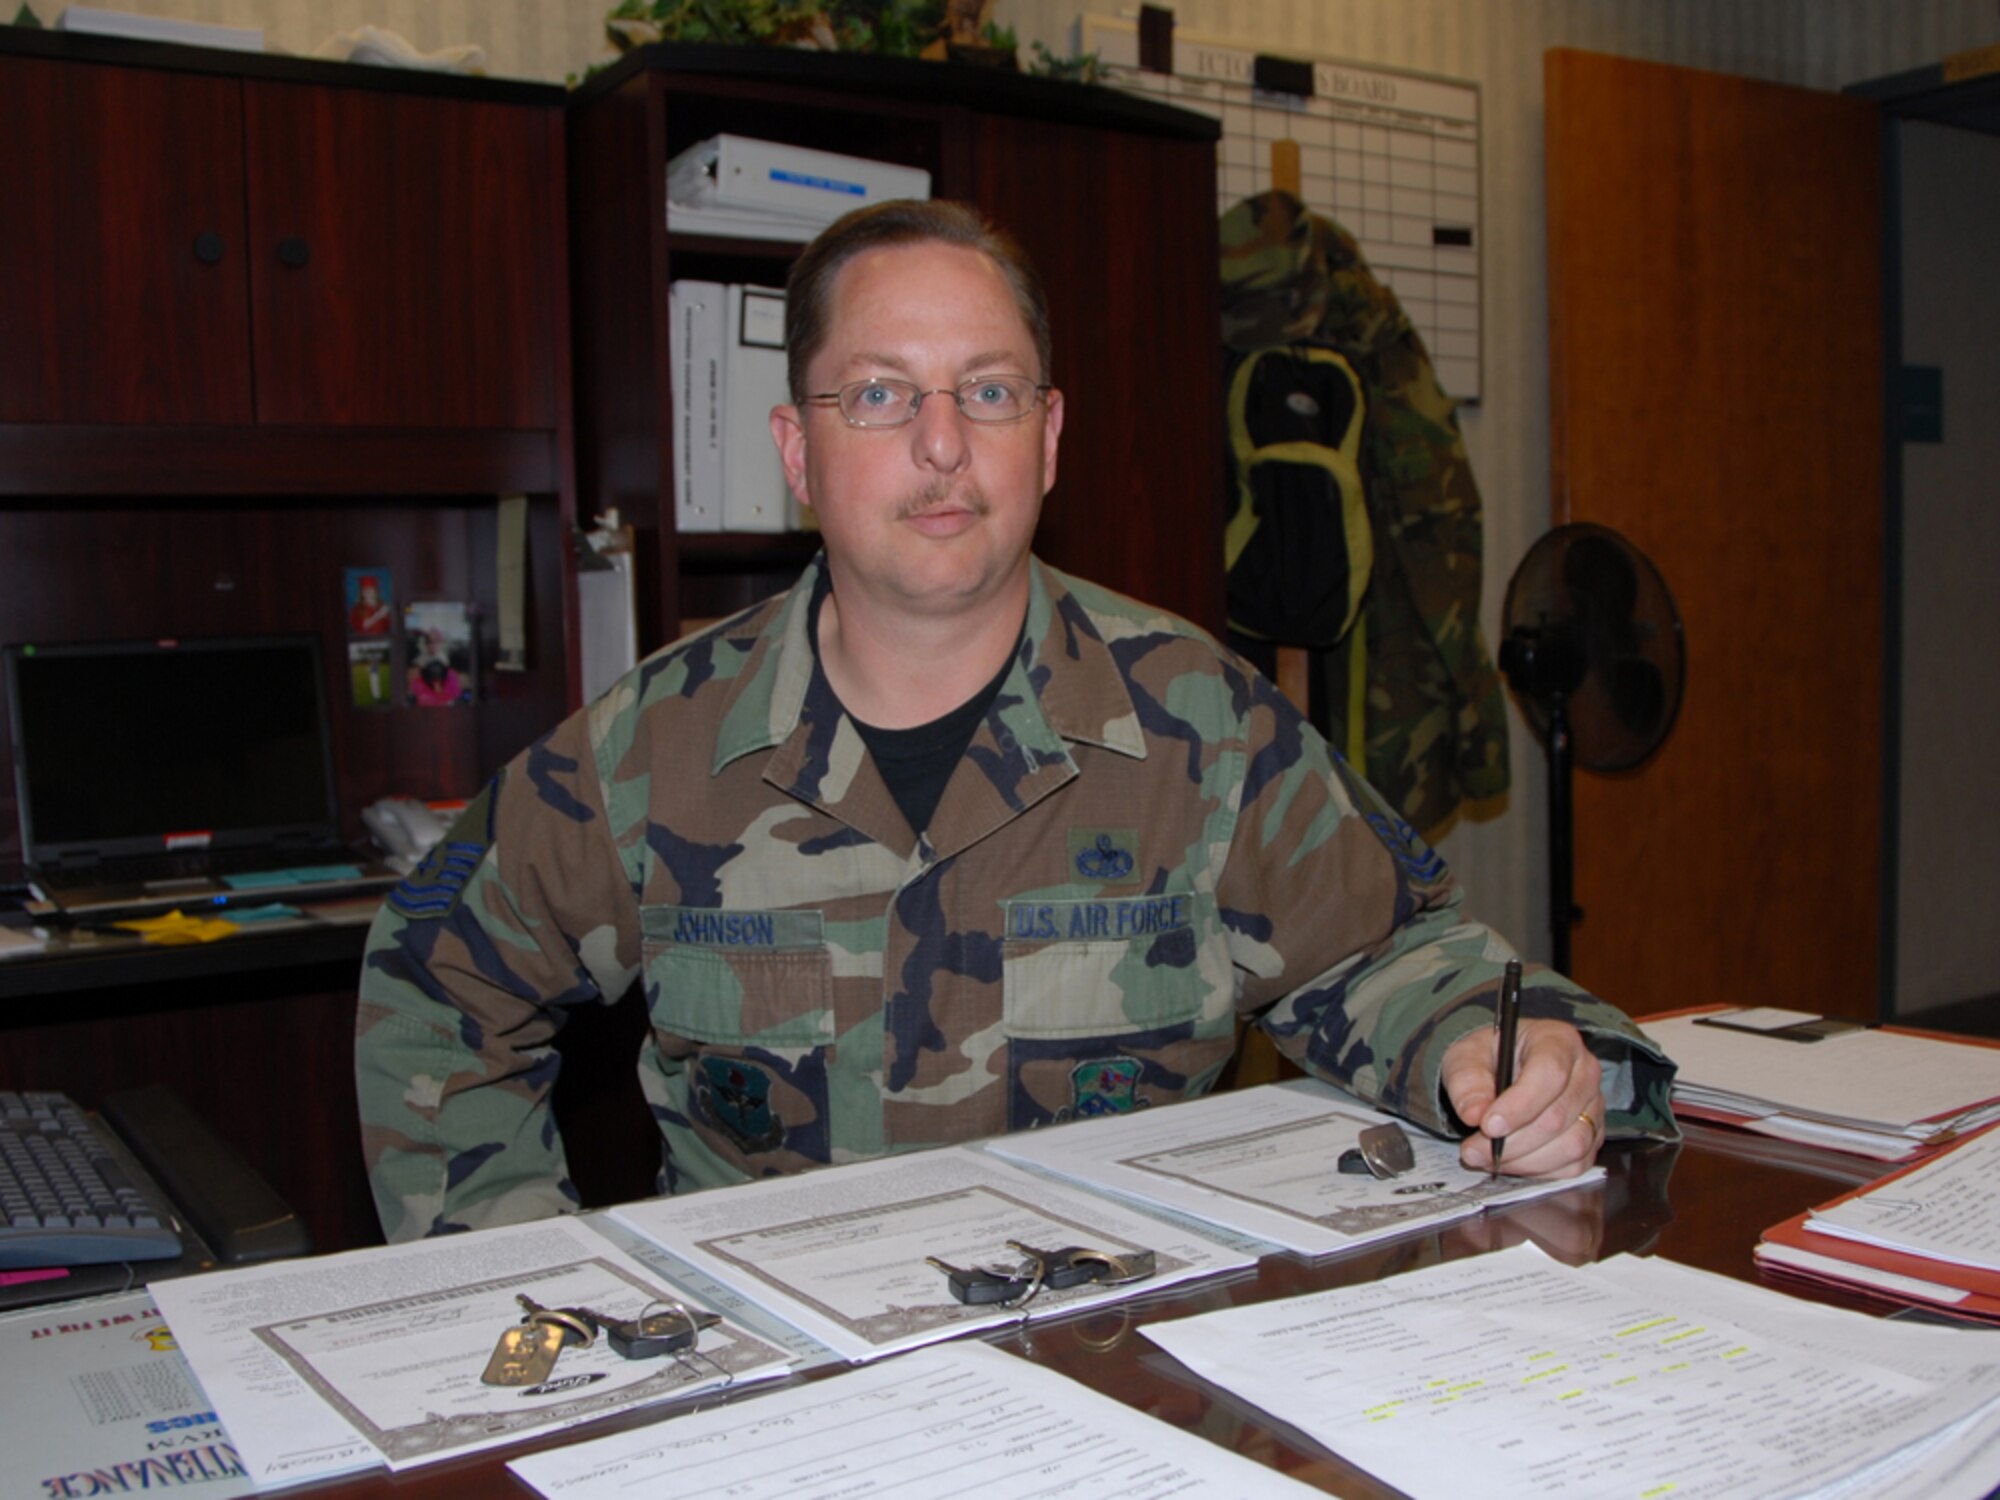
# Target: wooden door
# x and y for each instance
(123, 289)
(1716, 366)
(404, 269)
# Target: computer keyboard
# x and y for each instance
(66, 1198)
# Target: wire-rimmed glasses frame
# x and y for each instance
(989, 400)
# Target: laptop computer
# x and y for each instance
(181, 773)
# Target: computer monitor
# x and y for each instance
(138, 747)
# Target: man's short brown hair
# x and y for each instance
(903, 221)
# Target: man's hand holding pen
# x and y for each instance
(1551, 1112)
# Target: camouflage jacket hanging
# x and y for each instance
(1434, 720)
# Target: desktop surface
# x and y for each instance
(1701, 1203)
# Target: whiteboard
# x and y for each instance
(1392, 156)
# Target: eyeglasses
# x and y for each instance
(991, 399)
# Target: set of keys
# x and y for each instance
(527, 1352)
(1074, 1265)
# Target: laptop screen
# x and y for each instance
(136, 747)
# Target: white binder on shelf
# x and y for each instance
(754, 494)
(786, 182)
(697, 345)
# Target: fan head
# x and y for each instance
(1589, 624)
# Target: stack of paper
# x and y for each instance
(1928, 1235)
(1630, 1377)
(1888, 1095)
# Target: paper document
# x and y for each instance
(806, 1352)
(345, 1361)
(1264, 1161)
(1879, 1091)
(1830, 1268)
(1957, 1462)
(1948, 1209)
(100, 1401)
(1627, 1378)
(961, 1421)
(843, 1252)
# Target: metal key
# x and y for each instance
(653, 1334)
(578, 1324)
(1070, 1266)
(1076, 1264)
(984, 1288)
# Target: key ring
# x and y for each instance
(575, 1322)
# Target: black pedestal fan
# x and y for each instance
(1592, 648)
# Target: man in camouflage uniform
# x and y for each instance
(940, 843)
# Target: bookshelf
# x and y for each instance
(1114, 198)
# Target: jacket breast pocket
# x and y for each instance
(1124, 967)
(738, 978)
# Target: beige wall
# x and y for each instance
(1497, 43)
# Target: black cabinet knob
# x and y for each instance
(293, 252)
(208, 248)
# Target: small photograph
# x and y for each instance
(371, 678)
(371, 604)
(438, 641)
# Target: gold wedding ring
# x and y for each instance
(1588, 1123)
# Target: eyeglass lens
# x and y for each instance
(891, 403)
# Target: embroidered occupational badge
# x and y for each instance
(1104, 1086)
(1421, 862)
(435, 886)
(736, 1097)
(1106, 855)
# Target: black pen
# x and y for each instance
(1506, 1015)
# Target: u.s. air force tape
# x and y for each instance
(1098, 920)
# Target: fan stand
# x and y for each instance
(1545, 662)
(1586, 608)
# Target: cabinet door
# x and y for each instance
(1123, 229)
(122, 281)
(403, 265)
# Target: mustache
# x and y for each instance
(937, 492)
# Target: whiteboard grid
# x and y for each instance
(1392, 157)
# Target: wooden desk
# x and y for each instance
(1700, 1204)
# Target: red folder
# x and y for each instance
(1980, 1301)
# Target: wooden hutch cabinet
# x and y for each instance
(261, 320)
(1113, 196)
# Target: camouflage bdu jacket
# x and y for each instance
(1142, 843)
